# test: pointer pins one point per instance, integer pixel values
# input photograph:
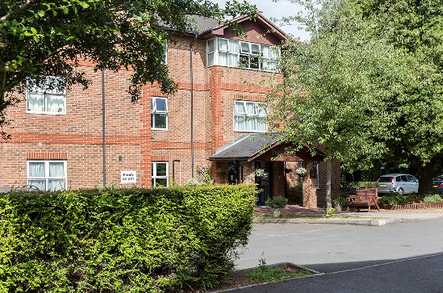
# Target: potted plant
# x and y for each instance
(301, 171)
(340, 203)
(276, 204)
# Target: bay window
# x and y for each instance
(234, 53)
(47, 175)
(250, 116)
(48, 97)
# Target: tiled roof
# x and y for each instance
(200, 24)
(245, 147)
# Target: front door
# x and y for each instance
(234, 172)
(263, 175)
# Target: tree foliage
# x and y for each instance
(48, 37)
(368, 85)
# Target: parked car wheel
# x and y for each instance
(401, 191)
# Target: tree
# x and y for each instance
(48, 38)
(368, 86)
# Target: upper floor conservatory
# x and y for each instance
(242, 54)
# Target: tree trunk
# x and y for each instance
(425, 175)
(328, 184)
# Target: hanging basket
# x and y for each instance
(301, 171)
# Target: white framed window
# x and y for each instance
(159, 113)
(250, 55)
(233, 53)
(47, 175)
(270, 56)
(160, 171)
(250, 116)
(47, 98)
(228, 52)
(211, 51)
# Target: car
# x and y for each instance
(437, 183)
(397, 183)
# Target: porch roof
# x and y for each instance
(256, 145)
(245, 147)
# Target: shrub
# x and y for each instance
(432, 198)
(277, 202)
(366, 184)
(340, 201)
(397, 199)
(122, 240)
(330, 212)
(393, 200)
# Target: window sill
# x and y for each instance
(46, 114)
(160, 129)
(250, 131)
(246, 69)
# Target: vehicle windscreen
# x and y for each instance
(385, 179)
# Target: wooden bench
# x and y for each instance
(364, 198)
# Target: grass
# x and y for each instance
(265, 274)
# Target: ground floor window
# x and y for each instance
(159, 174)
(47, 175)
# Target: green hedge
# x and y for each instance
(397, 199)
(117, 240)
(432, 198)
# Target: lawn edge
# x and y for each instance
(314, 274)
(333, 221)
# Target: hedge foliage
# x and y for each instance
(115, 240)
(397, 199)
(432, 198)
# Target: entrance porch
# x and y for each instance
(263, 160)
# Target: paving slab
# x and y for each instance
(372, 218)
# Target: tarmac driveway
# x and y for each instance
(329, 248)
(418, 275)
(403, 257)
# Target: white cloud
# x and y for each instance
(281, 8)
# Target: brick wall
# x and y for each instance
(131, 144)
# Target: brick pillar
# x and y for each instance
(309, 190)
(215, 80)
(248, 173)
(146, 137)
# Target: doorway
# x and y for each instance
(263, 180)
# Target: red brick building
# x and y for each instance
(94, 137)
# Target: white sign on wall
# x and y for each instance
(128, 177)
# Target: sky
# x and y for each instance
(279, 9)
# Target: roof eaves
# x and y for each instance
(264, 150)
(242, 18)
(228, 159)
(224, 148)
